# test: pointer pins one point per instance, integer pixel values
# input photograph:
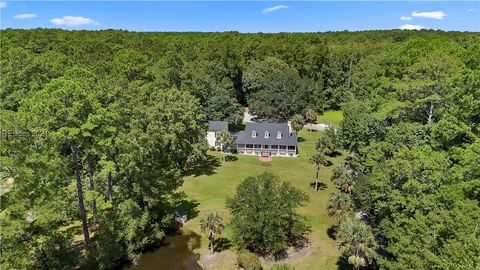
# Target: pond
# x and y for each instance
(177, 253)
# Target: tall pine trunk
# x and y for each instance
(83, 212)
(91, 173)
(110, 189)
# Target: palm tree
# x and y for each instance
(225, 139)
(326, 145)
(319, 160)
(346, 182)
(211, 225)
(297, 123)
(310, 117)
(339, 206)
(338, 171)
(356, 240)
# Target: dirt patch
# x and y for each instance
(292, 256)
(265, 159)
(218, 260)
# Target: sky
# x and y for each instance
(242, 16)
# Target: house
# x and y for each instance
(267, 139)
(214, 128)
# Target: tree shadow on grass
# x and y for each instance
(321, 186)
(221, 244)
(300, 139)
(332, 232)
(188, 207)
(229, 158)
(342, 264)
(335, 154)
(206, 167)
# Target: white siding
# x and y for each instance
(211, 138)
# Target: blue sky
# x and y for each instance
(246, 16)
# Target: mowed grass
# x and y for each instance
(211, 191)
(331, 117)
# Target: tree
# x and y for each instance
(338, 171)
(297, 123)
(357, 243)
(358, 127)
(264, 220)
(62, 109)
(325, 145)
(310, 116)
(225, 139)
(319, 160)
(339, 206)
(346, 182)
(211, 225)
(275, 90)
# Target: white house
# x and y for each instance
(214, 128)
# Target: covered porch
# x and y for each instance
(266, 149)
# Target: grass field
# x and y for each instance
(331, 117)
(210, 191)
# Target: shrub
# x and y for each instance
(212, 148)
(248, 261)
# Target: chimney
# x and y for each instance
(289, 123)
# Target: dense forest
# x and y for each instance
(99, 127)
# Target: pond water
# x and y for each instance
(176, 254)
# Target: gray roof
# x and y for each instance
(217, 125)
(245, 137)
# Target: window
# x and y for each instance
(266, 135)
(279, 135)
(254, 134)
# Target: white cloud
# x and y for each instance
(275, 8)
(3, 4)
(438, 15)
(411, 27)
(471, 10)
(405, 18)
(73, 21)
(25, 16)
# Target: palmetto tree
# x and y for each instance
(225, 139)
(310, 116)
(338, 171)
(211, 225)
(319, 160)
(339, 206)
(357, 242)
(346, 182)
(297, 123)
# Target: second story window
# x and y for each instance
(279, 135)
(266, 135)
(254, 134)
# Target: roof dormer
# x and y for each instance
(254, 134)
(279, 135)
(266, 135)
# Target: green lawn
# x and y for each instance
(331, 117)
(210, 192)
